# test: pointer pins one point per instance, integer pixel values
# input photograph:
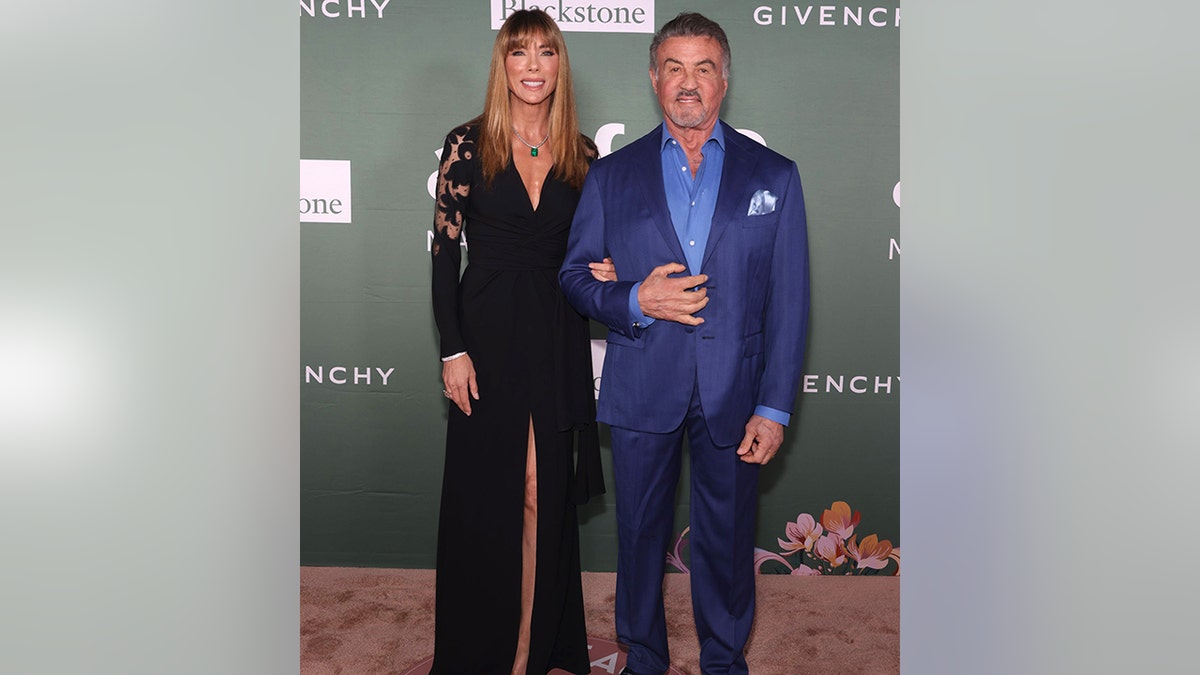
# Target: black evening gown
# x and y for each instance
(532, 360)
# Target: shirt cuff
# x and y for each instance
(773, 414)
(636, 318)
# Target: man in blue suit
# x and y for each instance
(707, 325)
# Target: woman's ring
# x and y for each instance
(445, 393)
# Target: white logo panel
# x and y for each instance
(585, 16)
(599, 349)
(324, 191)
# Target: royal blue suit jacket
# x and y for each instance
(749, 350)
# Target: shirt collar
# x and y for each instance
(718, 135)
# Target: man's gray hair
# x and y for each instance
(691, 24)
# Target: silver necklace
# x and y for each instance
(533, 149)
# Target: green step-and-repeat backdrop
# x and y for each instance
(382, 83)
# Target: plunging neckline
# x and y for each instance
(525, 188)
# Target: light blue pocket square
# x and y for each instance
(762, 203)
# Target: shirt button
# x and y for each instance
(683, 168)
(692, 242)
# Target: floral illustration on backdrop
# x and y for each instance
(826, 547)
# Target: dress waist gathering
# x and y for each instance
(506, 254)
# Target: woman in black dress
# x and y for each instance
(521, 443)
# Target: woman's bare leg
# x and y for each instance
(528, 555)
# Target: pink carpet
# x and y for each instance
(380, 621)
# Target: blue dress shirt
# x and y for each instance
(692, 201)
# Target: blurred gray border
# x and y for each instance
(149, 280)
(1048, 337)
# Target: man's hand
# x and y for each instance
(603, 271)
(762, 441)
(458, 378)
(663, 297)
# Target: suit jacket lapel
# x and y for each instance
(648, 172)
(732, 199)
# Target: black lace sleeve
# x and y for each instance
(453, 190)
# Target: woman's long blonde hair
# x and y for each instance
(496, 122)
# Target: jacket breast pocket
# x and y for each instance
(765, 220)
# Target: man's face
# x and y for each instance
(689, 82)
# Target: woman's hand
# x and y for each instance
(458, 378)
(604, 271)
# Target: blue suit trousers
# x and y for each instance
(721, 541)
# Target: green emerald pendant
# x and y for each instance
(533, 152)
